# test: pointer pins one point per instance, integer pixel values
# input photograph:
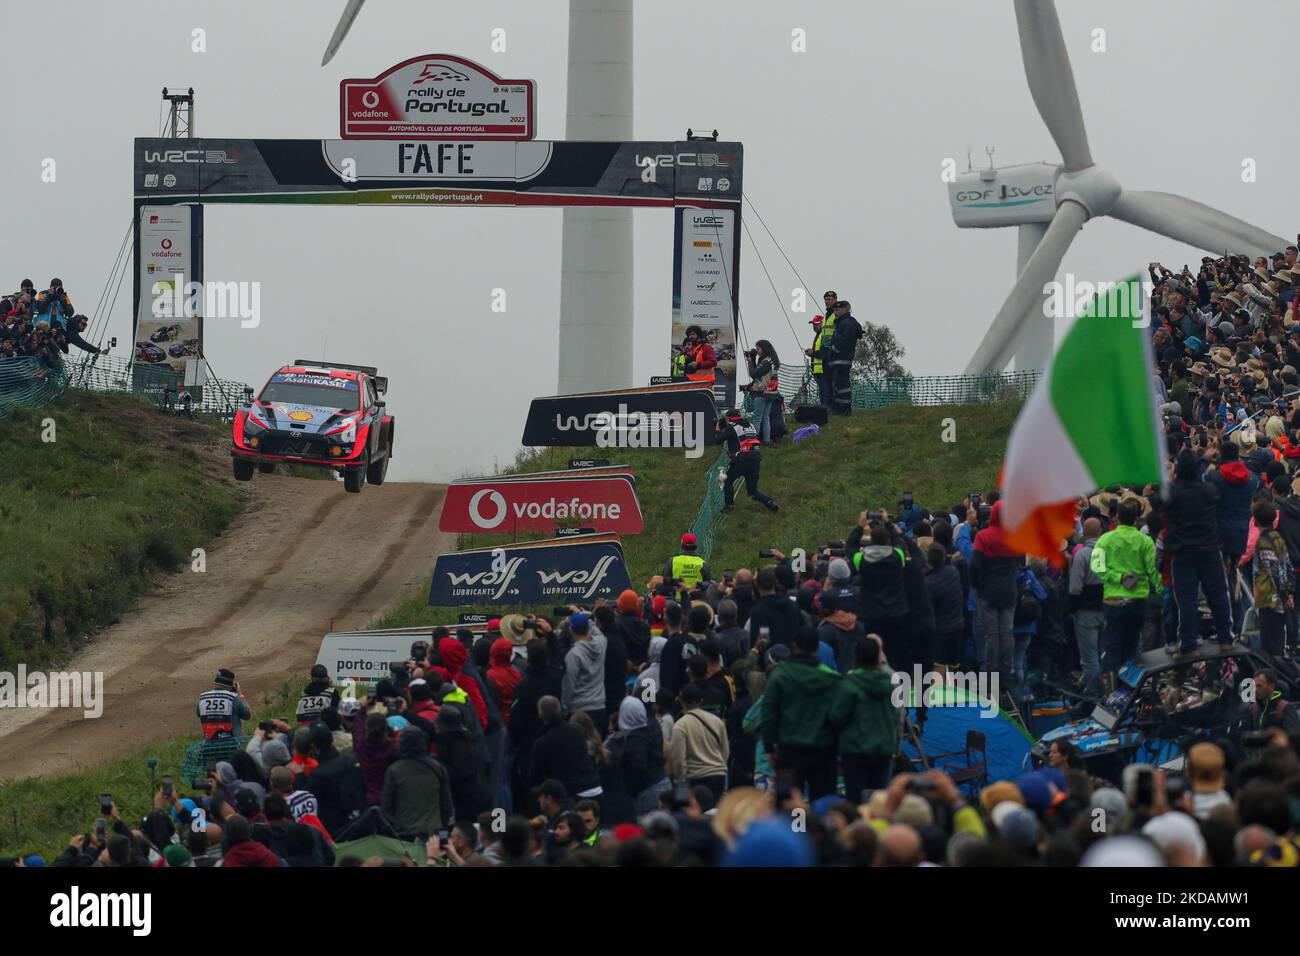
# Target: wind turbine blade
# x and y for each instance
(1024, 302)
(1194, 223)
(345, 24)
(1051, 80)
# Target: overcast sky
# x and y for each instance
(843, 152)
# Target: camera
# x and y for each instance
(106, 803)
(202, 784)
(167, 785)
(559, 611)
(419, 650)
(767, 553)
(975, 499)
(876, 515)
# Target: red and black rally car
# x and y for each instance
(317, 413)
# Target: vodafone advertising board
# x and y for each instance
(436, 96)
(607, 504)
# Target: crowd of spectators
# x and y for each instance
(747, 718)
(41, 325)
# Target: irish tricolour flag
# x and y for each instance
(1092, 422)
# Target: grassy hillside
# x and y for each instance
(821, 485)
(88, 519)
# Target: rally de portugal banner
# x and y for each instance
(579, 569)
(488, 504)
(658, 416)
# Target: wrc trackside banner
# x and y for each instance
(414, 171)
(363, 657)
(580, 569)
(679, 415)
(486, 504)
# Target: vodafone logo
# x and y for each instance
(370, 99)
(166, 243)
(476, 503)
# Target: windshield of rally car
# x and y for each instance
(322, 392)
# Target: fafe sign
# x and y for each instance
(436, 96)
(486, 504)
(580, 569)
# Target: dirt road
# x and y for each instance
(304, 557)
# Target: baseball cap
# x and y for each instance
(578, 621)
(225, 677)
(816, 318)
(494, 624)
(688, 540)
(691, 694)
(842, 304)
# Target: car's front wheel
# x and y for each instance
(354, 479)
(243, 470)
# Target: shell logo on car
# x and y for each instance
(301, 416)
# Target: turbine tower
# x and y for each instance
(596, 255)
(596, 258)
(1080, 190)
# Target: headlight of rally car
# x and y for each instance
(347, 433)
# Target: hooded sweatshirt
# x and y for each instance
(883, 596)
(583, 687)
(843, 633)
(994, 564)
(864, 714)
(502, 673)
(1236, 487)
(454, 658)
(417, 788)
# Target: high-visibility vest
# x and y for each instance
(816, 351)
(827, 332)
(689, 569)
(679, 364)
(706, 376)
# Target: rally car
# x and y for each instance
(166, 333)
(181, 349)
(144, 352)
(317, 413)
(1161, 706)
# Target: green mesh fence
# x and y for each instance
(801, 388)
(201, 757)
(28, 382)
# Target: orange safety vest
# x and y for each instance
(706, 376)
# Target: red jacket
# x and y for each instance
(502, 673)
(454, 657)
(250, 853)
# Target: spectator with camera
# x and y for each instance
(763, 366)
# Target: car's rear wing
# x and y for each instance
(368, 369)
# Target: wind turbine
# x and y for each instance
(1083, 191)
(596, 254)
